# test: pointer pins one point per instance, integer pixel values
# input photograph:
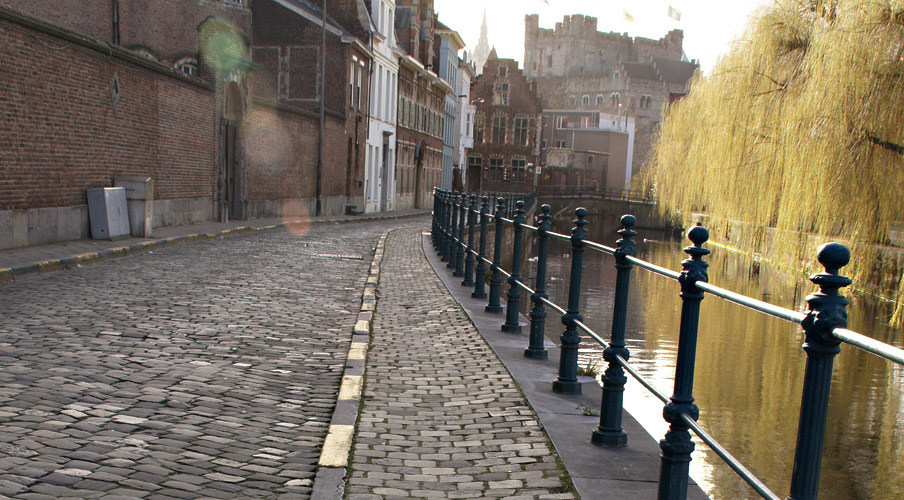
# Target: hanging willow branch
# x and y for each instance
(797, 137)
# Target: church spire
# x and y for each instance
(482, 50)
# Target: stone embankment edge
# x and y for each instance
(329, 482)
(11, 273)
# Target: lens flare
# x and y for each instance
(222, 45)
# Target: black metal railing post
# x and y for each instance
(469, 252)
(494, 305)
(825, 312)
(513, 298)
(453, 228)
(434, 230)
(449, 252)
(609, 432)
(444, 225)
(535, 348)
(677, 445)
(481, 271)
(567, 380)
(460, 241)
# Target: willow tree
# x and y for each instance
(797, 137)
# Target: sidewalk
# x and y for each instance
(22, 261)
(440, 416)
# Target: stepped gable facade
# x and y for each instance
(506, 129)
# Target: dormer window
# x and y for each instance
(503, 71)
(187, 65)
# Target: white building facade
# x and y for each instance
(379, 171)
(450, 45)
(465, 138)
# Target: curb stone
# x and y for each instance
(329, 483)
(8, 274)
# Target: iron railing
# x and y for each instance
(589, 192)
(824, 325)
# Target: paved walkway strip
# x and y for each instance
(441, 417)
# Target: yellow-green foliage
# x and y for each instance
(799, 128)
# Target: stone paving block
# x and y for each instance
(167, 374)
(439, 409)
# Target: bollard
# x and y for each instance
(609, 432)
(453, 227)
(494, 305)
(513, 298)
(567, 381)
(469, 258)
(480, 279)
(535, 348)
(677, 445)
(825, 312)
(460, 242)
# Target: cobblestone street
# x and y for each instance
(207, 369)
(441, 416)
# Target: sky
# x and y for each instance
(709, 25)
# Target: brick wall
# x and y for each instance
(282, 158)
(169, 28)
(63, 133)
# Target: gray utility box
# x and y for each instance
(107, 213)
(140, 199)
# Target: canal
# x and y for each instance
(749, 367)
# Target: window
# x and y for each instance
(585, 101)
(599, 99)
(560, 143)
(560, 122)
(496, 172)
(572, 101)
(587, 122)
(478, 129)
(522, 131)
(502, 71)
(519, 170)
(475, 162)
(187, 66)
(499, 129)
(500, 94)
(614, 99)
(616, 76)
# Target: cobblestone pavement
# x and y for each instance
(441, 417)
(205, 370)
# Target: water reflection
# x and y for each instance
(749, 369)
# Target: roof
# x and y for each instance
(306, 9)
(641, 71)
(673, 71)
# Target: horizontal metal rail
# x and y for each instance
(729, 459)
(845, 335)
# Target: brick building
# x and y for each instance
(284, 121)
(421, 105)
(588, 131)
(506, 129)
(79, 111)
(577, 67)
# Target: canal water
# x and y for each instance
(749, 369)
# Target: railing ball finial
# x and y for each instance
(545, 209)
(628, 221)
(833, 256)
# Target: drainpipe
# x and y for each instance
(319, 206)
